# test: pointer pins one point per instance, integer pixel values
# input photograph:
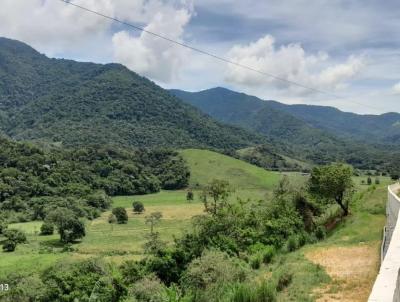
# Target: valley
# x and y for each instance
(311, 275)
(113, 188)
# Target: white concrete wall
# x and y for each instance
(387, 284)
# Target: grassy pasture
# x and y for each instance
(127, 239)
(207, 165)
(115, 243)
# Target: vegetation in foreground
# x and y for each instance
(226, 251)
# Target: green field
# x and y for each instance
(121, 242)
(113, 242)
(206, 165)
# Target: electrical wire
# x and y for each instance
(222, 59)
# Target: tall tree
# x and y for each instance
(219, 191)
(69, 226)
(154, 243)
(153, 219)
(13, 237)
(333, 183)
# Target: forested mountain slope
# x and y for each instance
(81, 103)
(302, 139)
(384, 128)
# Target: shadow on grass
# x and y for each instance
(53, 243)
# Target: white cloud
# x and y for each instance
(396, 88)
(52, 26)
(60, 30)
(152, 56)
(56, 28)
(143, 11)
(289, 62)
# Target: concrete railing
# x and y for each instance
(387, 284)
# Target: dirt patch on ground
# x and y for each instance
(352, 269)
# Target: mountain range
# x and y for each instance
(73, 103)
(265, 116)
(300, 130)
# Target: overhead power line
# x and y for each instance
(219, 58)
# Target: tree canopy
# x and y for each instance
(34, 180)
(333, 183)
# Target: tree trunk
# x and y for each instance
(344, 208)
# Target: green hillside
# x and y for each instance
(206, 165)
(266, 156)
(382, 128)
(77, 103)
(290, 134)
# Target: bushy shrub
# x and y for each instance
(133, 271)
(243, 293)
(23, 289)
(9, 246)
(121, 215)
(256, 260)
(77, 281)
(268, 254)
(283, 281)
(148, 289)
(47, 228)
(175, 294)
(292, 243)
(302, 239)
(138, 207)
(320, 232)
(263, 292)
(99, 200)
(213, 267)
(13, 237)
(189, 196)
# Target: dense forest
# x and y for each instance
(77, 103)
(34, 180)
(289, 134)
(368, 128)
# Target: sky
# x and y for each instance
(349, 49)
